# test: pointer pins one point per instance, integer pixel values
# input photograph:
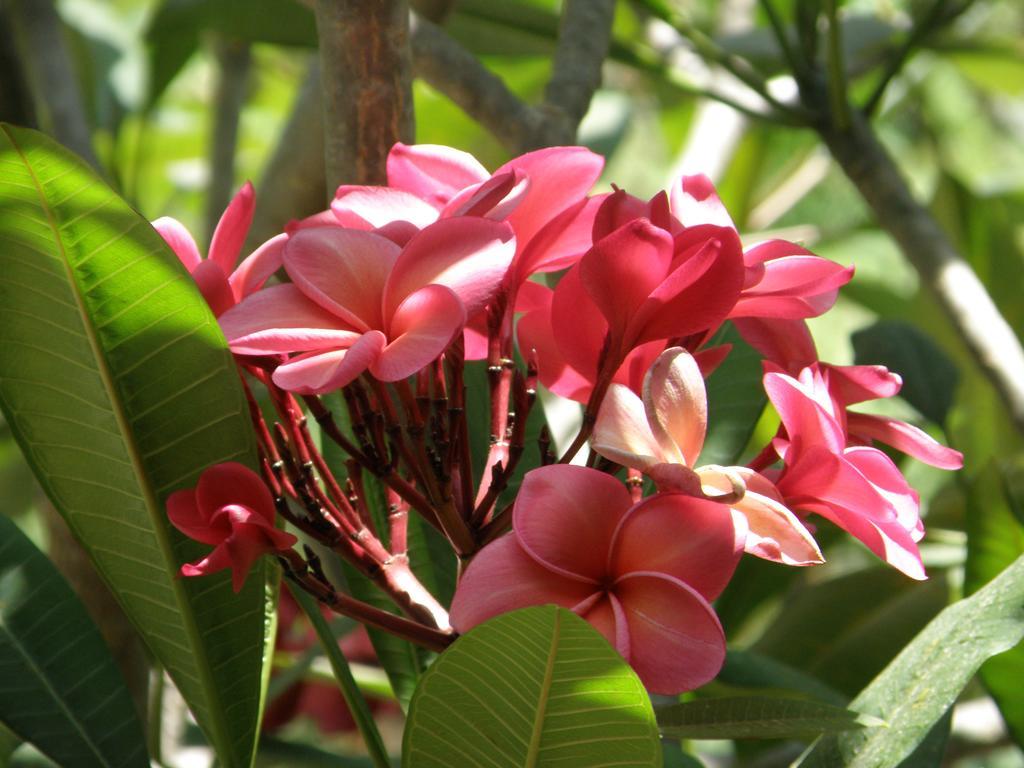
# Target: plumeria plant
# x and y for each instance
(572, 581)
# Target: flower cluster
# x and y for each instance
(386, 295)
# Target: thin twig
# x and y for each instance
(584, 35)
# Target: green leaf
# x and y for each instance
(755, 717)
(920, 685)
(535, 687)
(748, 669)
(845, 630)
(119, 388)
(59, 687)
(735, 400)
(929, 376)
(995, 538)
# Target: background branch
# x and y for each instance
(367, 86)
(961, 294)
(584, 35)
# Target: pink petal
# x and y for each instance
(318, 372)
(906, 438)
(248, 544)
(342, 270)
(217, 560)
(281, 319)
(695, 201)
(700, 290)
(468, 255)
(578, 327)
(494, 199)
(772, 249)
(502, 578)
(786, 343)
(604, 613)
(622, 433)
(676, 641)
(857, 383)
(561, 242)
(185, 515)
(372, 207)
(213, 284)
(559, 176)
(677, 405)
(890, 484)
(773, 532)
(432, 172)
(175, 235)
(229, 236)
(688, 538)
(805, 418)
(422, 328)
(793, 287)
(258, 267)
(534, 332)
(231, 483)
(564, 518)
(623, 269)
(616, 210)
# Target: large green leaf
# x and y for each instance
(46, 640)
(755, 717)
(119, 388)
(535, 687)
(995, 538)
(920, 685)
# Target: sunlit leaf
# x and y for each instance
(535, 687)
(920, 685)
(119, 387)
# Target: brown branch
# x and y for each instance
(458, 74)
(366, 69)
(584, 35)
(961, 294)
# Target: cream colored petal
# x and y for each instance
(775, 533)
(677, 405)
(622, 433)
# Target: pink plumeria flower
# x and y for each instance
(783, 280)
(788, 346)
(642, 574)
(662, 435)
(359, 302)
(541, 194)
(232, 510)
(221, 284)
(858, 488)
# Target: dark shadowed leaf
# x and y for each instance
(59, 687)
(929, 376)
(755, 717)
